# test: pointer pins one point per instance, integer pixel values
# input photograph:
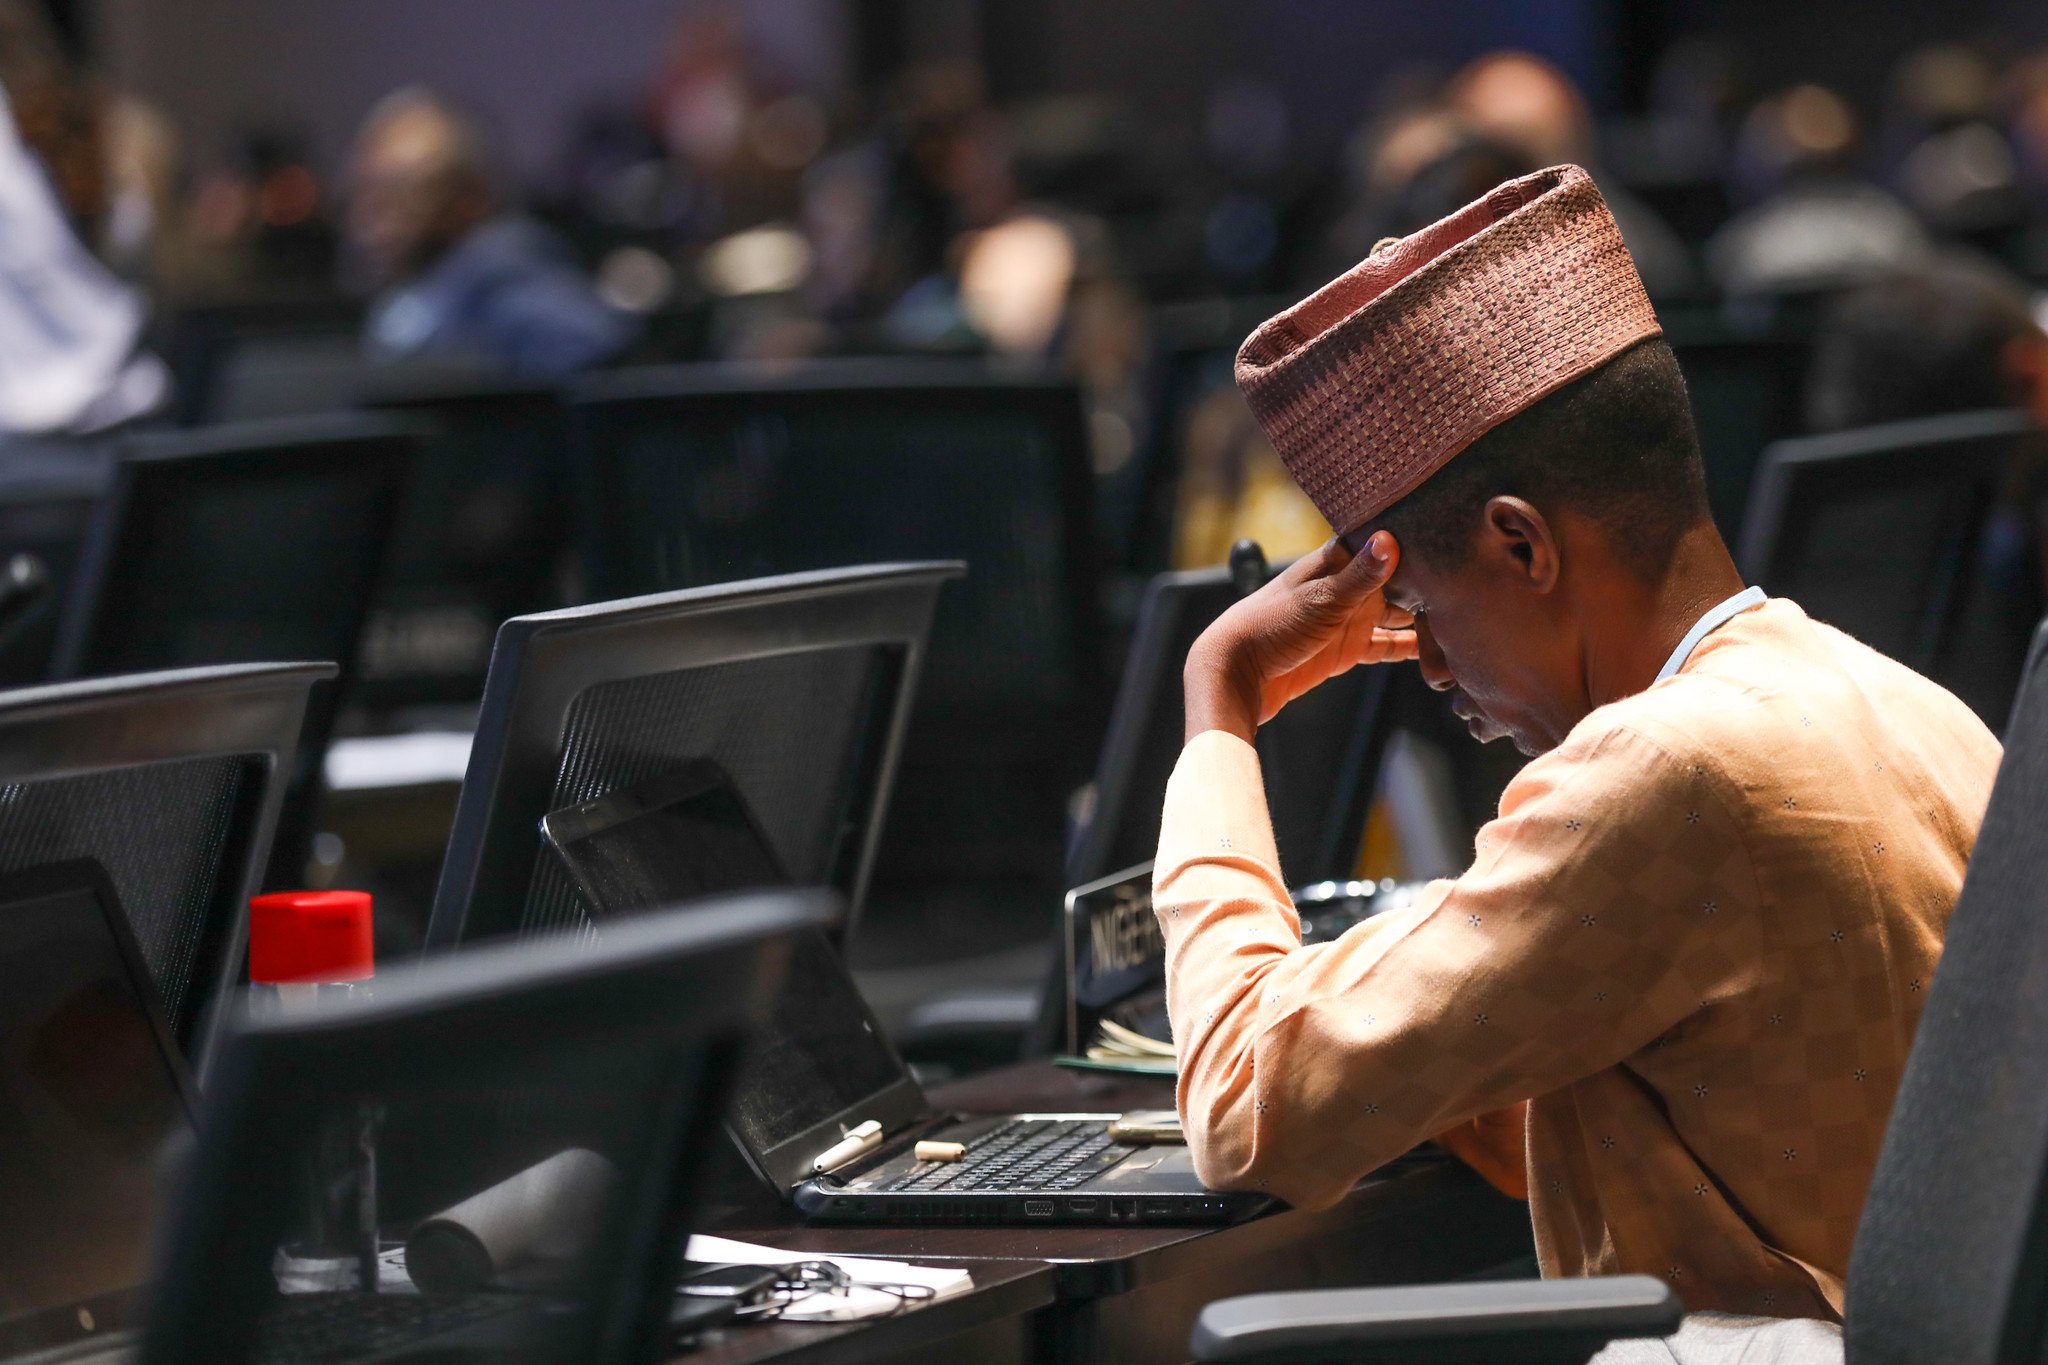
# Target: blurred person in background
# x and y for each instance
(740, 139)
(141, 153)
(741, 131)
(1675, 150)
(1952, 332)
(1812, 223)
(1521, 102)
(952, 194)
(1387, 155)
(458, 277)
(1943, 151)
(69, 329)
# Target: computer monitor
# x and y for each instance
(798, 687)
(239, 544)
(171, 782)
(715, 473)
(542, 1116)
(95, 1099)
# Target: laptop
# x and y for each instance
(822, 1071)
(95, 1101)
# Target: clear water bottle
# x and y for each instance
(310, 951)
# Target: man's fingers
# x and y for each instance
(1370, 568)
(1393, 646)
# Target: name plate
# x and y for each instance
(1116, 958)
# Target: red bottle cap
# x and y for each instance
(301, 936)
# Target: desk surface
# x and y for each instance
(1426, 1217)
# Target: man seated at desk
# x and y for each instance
(458, 278)
(1697, 938)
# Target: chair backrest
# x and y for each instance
(172, 782)
(609, 1059)
(1877, 531)
(1321, 755)
(239, 544)
(2037, 652)
(319, 370)
(264, 358)
(798, 687)
(1951, 1258)
(1746, 393)
(711, 474)
(480, 535)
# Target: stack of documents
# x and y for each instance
(865, 1298)
(1131, 1050)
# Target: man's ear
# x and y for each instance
(1519, 539)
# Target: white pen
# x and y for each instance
(858, 1139)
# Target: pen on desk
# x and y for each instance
(858, 1139)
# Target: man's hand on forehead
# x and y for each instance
(1325, 615)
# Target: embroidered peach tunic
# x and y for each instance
(1697, 938)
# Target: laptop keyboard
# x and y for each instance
(1023, 1154)
(320, 1327)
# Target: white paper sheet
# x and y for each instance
(858, 1302)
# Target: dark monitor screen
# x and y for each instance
(689, 835)
(92, 1095)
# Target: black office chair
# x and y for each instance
(798, 687)
(1746, 392)
(239, 544)
(711, 474)
(173, 783)
(1879, 532)
(609, 1058)
(1948, 1261)
(480, 536)
(275, 357)
(2037, 650)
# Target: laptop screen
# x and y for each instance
(688, 835)
(92, 1096)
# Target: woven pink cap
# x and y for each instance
(1370, 384)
